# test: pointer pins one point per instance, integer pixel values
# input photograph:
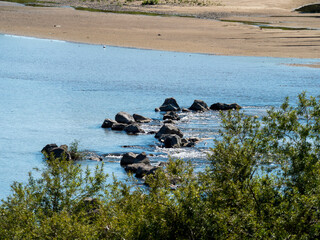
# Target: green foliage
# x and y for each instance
(74, 151)
(262, 183)
(150, 2)
(48, 207)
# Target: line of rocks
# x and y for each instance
(168, 135)
(170, 104)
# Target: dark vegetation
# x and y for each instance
(263, 182)
(311, 8)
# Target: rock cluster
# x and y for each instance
(172, 137)
(56, 152)
(168, 135)
(138, 164)
(126, 122)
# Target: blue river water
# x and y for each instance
(56, 92)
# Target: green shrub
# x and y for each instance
(150, 2)
(263, 182)
(74, 151)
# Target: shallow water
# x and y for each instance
(55, 92)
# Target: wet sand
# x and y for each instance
(246, 29)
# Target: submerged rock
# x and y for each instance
(199, 105)
(223, 106)
(169, 121)
(123, 117)
(171, 115)
(170, 104)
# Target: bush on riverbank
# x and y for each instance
(263, 183)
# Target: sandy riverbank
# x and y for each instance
(287, 34)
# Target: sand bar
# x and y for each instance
(233, 36)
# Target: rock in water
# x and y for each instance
(123, 117)
(131, 158)
(140, 169)
(199, 105)
(171, 115)
(57, 152)
(118, 126)
(168, 129)
(172, 141)
(133, 129)
(170, 104)
(107, 123)
(141, 119)
(223, 106)
(145, 170)
(48, 148)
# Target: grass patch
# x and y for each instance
(131, 12)
(244, 22)
(265, 25)
(286, 28)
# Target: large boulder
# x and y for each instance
(107, 123)
(123, 117)
(223, 106)
(56, 152)
(133, 129)
(171, 115)
(141, 119)
(168, 129)
(131, 158)
(199, 105)
(172, 141)
(170, 104)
